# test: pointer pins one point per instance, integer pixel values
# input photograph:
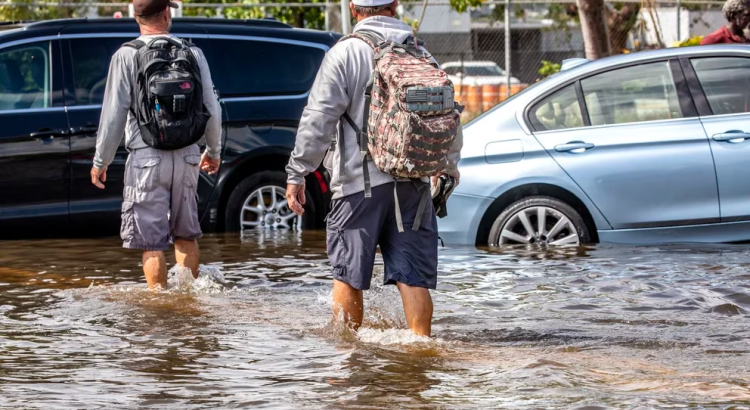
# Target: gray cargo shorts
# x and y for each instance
(357, 225)
(160, 198)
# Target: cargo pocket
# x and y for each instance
(192, 171)
(338, 251)
(146, 173)
(127, 229)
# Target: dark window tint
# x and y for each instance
(243, 67)
(559, 111)
(726, 82)
(25, 80)
(90, 58)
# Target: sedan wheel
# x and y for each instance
(539, 221)
(540, 225)
(267, 208)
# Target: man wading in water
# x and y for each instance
(163, 109)
(396, 216)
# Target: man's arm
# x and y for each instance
(328, 101)
(454, 155)
(115, 106)
(210, 99)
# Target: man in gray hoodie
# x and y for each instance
(356, 225)
(159, 204)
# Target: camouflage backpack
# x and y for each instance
(410, 119)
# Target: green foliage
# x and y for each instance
(692, 41)
(548, 68)
(463, 5)
(308, 17)
(23, 10)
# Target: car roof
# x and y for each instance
(469, 63)
(182, 25)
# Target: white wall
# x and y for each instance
(692, 23)
(440, 19)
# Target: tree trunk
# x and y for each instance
(621, 22)
(594, 28)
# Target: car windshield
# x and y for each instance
(475, 71)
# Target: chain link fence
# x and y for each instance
(471, 46)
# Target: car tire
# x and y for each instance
(263, 184)
(511, 226)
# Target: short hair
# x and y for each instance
(733, 7)
(372, 11)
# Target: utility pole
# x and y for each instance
(346, 19)
(507, 48)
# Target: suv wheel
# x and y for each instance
(539, 220)
(259, 202)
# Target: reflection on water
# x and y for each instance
(588, 328)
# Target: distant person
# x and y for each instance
(737, 13)
(163, 112)
(370, 207)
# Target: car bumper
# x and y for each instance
(465, 212)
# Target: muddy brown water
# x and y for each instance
(606, 327)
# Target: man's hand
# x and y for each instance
(98, 176)
(295, 198)
(209, 164)
(457, 177)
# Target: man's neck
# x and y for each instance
(375, 15)
(147, 31)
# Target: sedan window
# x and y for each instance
(726, 82)
(90, 58)
(25, 77)
(558, 111)
(633, 94)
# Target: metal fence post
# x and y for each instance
(679, 18)
(346, 18)
(507, 48)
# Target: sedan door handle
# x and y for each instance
(575, 147)
(733, 137)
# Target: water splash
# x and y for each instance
(210, 280)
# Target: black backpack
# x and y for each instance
(168, 94)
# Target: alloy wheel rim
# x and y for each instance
(539, 225)
(267, 208)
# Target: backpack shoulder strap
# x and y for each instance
(369, 38)
(136, 44)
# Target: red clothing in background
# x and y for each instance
(723, 36)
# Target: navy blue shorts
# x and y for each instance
(356, 226)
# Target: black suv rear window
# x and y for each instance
(261, 68)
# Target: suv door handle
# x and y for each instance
(47, 134)
(732, 137)
(88, 129)
(575, 147)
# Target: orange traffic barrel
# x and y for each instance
(490, 96)
(474, 98)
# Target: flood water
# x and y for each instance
(606, 327)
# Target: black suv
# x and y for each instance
(52, 79)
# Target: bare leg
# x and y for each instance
(187, 255)
(155, 269)
(349, 300)
(417, 308)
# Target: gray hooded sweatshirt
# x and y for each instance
(340, 87)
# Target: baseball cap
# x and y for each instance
(371, 3)
(149, 7)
